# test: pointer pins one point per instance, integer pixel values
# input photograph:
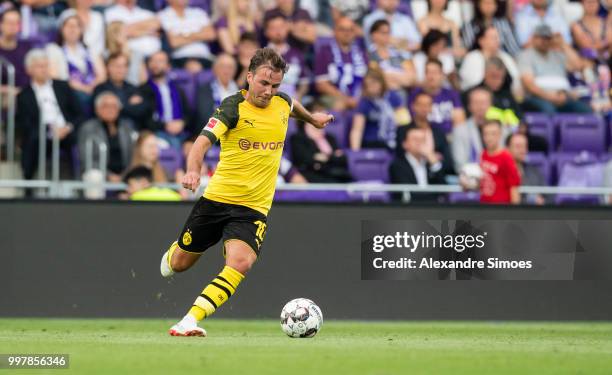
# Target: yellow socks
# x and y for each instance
(216, 293)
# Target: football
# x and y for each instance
(301, 318)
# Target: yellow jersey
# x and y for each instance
(252, 141)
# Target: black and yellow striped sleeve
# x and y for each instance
(224, 118)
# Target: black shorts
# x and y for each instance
(211, 221)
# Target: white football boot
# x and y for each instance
(188, 326)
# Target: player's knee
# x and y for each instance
(241, 264)
(179, 264)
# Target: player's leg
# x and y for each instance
(203, 228)
(243, 239)
(177, 260)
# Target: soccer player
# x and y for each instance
(251, 126)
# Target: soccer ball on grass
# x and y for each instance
(301, 318)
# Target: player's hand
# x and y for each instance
(191, 181)
(321, 119)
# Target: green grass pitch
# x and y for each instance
(121, 346)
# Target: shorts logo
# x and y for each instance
(187, 238)
(245, 145)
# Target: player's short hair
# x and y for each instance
(269, 58)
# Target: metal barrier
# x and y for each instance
(67, 186)
(10, 120)
(102, 155)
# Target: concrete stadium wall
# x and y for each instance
(101, 259)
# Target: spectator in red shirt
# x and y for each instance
(500, 177)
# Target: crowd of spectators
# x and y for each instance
(439, 91)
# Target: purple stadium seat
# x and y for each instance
(580, 175)
(582, 133)
(539, 160)
(560, 159)
(464, 197)
(171, 160)
(542, 125)
(187, 82)
(369, 165)
(311, 196)
(338, 128)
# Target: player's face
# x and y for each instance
(263, 85)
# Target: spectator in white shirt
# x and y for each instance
(93, 24)
(142, 26)
(188, 30)
(404, 32)
(487, 45)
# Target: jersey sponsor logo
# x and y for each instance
(211, 123)
(245, 145)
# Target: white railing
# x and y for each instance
(66, 188)
(10, 118)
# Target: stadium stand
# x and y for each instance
(569, 149)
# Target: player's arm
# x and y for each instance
(191, 179)
(317, 119)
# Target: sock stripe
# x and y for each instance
(228, 286)
(225, 280)
(209, 300)
(229, 294)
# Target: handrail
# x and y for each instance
(350, 187)
(102, 155)
(10, 120)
